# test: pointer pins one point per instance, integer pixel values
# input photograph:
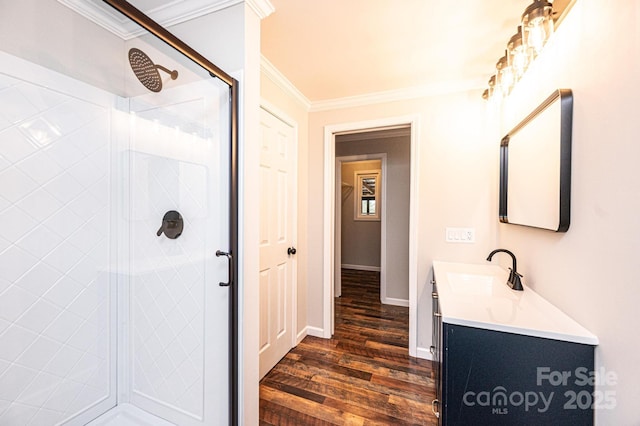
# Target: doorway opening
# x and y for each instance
(347, 142)
(360, 240)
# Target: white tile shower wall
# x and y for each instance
(168, 276)
(56, 311)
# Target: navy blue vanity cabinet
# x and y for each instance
(496, 378)
(488, 377)
(505, 357)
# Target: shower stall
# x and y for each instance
(119, 223)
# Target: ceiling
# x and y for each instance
(165, 12)
(337, 49)
(333, 49)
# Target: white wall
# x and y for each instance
(455, 187)
(52, 35)
(590, 271)
(220, 37)
(249, 221)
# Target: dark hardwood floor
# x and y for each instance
(362, 376)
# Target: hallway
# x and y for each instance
(362, 376)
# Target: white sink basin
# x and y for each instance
(477, 295)
(470, 283)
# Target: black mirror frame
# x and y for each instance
(565, 96)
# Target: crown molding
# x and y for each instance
(441, 88)
(262, 8)
(271, 72)
(409, 93)
(175, 12)
(393, 132)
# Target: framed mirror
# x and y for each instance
(535, 167)
(367, 199)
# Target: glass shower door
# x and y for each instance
(175, 216)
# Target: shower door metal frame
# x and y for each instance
(163, 34)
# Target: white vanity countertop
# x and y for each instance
(478, 296)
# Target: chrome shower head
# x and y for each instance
(146, 71)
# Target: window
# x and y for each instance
(367, 194)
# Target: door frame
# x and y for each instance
(293, 297)
(383, 220)
(329, 211)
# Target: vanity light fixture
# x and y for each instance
(537, 25)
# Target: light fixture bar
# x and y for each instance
(537, 25)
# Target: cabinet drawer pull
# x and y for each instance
(433, 408)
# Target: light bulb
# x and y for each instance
(504, 77)
(492, 85)
(536, 35)
(518, 54)
(507, 81)
(487, 95)
(537, 24)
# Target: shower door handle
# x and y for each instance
(229, 257)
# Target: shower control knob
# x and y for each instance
(172, 225)
(291, 251)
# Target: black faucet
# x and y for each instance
(514, 277)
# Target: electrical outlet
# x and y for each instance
(460, 235)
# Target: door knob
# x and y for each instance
(291, 250)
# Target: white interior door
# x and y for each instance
(278, 164)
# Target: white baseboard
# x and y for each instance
(300, 336)
(424, 353)
(361, 267)
(395, 302)
(315, 331)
